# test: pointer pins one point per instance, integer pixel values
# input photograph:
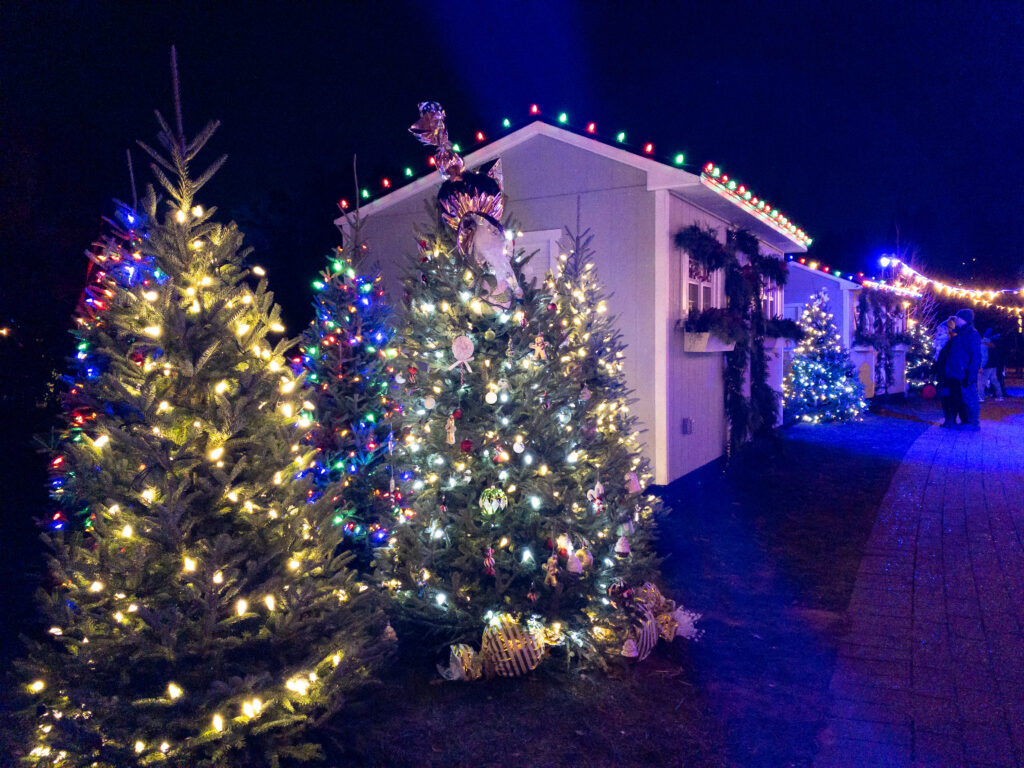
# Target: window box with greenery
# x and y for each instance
(713, 330)
(778, 330)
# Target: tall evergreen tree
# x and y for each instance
(349, 360)
(920, 360)
(204, 619)
(821, 384)
(521, 524)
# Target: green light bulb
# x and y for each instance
(679, 159)
(408, 171)
(621, 137)
(563, 118)
(365, 193)
(506, 123)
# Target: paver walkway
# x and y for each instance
(931, 672)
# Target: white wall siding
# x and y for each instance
(695, 396)
(842, 294)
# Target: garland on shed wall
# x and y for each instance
(878, 313)
(744, 286)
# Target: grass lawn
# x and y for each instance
(768, 549)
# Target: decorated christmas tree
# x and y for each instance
(347, 355)
(203, 620)
(821, 384)
(116, 264)
(526, 520)
(920, 355)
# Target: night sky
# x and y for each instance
(865, 122)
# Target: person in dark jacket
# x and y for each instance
(963, 365)
(989, 363)
(949, 391)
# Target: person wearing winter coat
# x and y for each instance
(949, 391)
(989, 366)
(963, 366)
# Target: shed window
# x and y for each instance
(771, 301)
(701, 288)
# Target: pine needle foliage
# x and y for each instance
(348, 355)
(204, 619)
(518, 496)
(116, 264)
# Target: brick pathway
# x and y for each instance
(931, 672)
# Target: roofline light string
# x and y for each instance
(710, 175)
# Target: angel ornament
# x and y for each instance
(449, 430)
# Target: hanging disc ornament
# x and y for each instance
(429, 403)
(462, 351)
(518, 446)
(491, 397)
(493, 499)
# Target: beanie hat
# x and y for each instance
(967, 315)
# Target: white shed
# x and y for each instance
(633, 205)
(807, 278)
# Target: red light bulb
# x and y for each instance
(534, 109)
(386, 183)
(648, 148)
(432, 160)
(343, 204)
(591, 127)
(479, 136)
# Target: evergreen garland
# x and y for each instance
(744, 285)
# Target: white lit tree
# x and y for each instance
(203, 619)
(821, 384)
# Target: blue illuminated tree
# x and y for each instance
(348, 360)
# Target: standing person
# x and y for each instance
(949, 391)
(989, 365)
(963, 365)
(984, 361)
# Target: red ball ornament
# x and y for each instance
(552, 306)
(928, 392)
(457, 413)
(550, 544)
(467, 446)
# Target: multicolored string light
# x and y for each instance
(711, 175)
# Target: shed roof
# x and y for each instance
(815, 269)
(707, 190)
